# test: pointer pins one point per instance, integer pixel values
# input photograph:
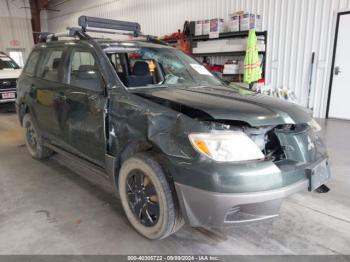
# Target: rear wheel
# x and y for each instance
(147, 198)
(34, 140)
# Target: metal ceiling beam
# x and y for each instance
(36, 6)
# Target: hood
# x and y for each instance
(223, 103)
(10, 73)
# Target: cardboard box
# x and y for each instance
(198, 27)
(206, 27)
(249, 21)
(244, 22)
(258, 23)
(216, 25)
(233, 23)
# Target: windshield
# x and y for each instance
(152, 67)
(7, 63)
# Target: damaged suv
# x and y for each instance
(176, 143)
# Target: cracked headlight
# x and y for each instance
(226, 146)
(314, 125)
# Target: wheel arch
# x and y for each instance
(23, 109)
(114, 164)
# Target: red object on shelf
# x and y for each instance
(216, 68)
(261, 80)
(181, 40)
(173, 36)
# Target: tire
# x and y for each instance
(34, 140)
(149, 221)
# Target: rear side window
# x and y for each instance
(32, 62)
(50, 67)
(84, 72)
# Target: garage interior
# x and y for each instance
(46, 207)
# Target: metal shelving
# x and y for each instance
(226, 35)
(230, 35)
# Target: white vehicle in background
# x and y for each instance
(9, 72)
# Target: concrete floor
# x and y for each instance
(45, 208)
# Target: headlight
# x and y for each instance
(314, 125)
(230, 146)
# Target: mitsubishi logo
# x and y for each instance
(310, 144)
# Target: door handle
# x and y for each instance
(337, 70)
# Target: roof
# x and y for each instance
(105, 43)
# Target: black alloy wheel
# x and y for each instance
(31, 136)
(142, 198)
(33, 139)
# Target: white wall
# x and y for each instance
(296, 28)
(15, 24)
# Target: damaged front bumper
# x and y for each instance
(202, 207)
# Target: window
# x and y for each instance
(50, 67)
(84, 71)
(17, 55)
(163, 66)
(32, 62)
(7, 63)
(115, 60)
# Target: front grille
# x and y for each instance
(7, 83)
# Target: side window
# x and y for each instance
(115, 60)
(32, 62)
(50, 67)
(84, 72)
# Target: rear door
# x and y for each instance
(82, 114)
(47, 92)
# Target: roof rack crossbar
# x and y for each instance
(87, 21)
(72, 32)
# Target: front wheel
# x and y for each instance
(34, 140)
(147, 198)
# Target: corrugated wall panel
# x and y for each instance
(15, 24)
(296, 28)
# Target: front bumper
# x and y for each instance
(5, 101)
(216, 194)
(201, 207)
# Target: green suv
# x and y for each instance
(177, 143)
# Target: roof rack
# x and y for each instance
(88, 21)
(94, 24)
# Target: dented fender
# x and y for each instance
(134, 121)
(133, 118)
